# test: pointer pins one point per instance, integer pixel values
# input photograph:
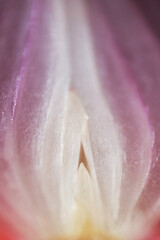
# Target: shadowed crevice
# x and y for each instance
(83, 159)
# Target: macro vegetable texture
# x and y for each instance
(79, 120)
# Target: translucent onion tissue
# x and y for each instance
(79, 120)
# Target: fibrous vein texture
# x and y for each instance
(79, 120)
